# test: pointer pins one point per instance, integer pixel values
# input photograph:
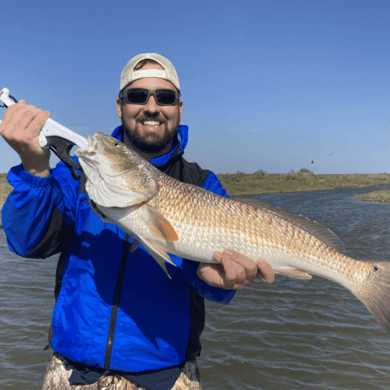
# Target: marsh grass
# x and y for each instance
(5, 189)
(263, 183)
(376, 196)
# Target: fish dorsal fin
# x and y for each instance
(312, 227)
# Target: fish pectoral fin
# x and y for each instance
(96, 209)
(293, 273)
(134, 246)
(158, 254)
(158, 225)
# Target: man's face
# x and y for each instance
(150, 128)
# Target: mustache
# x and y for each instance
(151, 115)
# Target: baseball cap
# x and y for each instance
(169, 72)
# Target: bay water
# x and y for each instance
(292, 334)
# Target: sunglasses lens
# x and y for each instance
(166, 96)
(140, 96)
(137, 96)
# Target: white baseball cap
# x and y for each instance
(169, 72)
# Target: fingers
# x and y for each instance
(212, 274)
(224, 275)
(265, 271)
(239, 270)
(20, 128)
(22, 123)
(234, 271)
(12, 114)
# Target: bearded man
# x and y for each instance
(118, 321)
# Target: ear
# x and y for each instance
(180, 107)
(119, 107)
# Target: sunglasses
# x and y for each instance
(164, 97)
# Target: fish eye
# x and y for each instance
(375, 268)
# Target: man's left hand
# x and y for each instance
(234, 271)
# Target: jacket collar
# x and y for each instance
(178, 146)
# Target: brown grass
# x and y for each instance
(5, 189)
(264, 183)
(376, 196)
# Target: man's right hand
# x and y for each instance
(20, 127)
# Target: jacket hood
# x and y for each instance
(179, 144)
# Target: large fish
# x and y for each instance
(167, 216)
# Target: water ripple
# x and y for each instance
(295, 335)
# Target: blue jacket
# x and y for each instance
(114, 310)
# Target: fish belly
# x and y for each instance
(199, 244)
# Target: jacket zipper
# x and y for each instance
(114, 312)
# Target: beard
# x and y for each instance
(155, 145)
(150, 146)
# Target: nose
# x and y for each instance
(151, 106)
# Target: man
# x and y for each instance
(118, 321)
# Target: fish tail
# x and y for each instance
(374, 292)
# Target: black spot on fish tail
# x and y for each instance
(374, 292)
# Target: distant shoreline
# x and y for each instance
(264, 183)
(5, 189)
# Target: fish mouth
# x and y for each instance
(91, 158)
(93, 144)
(90, 150)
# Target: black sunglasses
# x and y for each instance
(164, 97)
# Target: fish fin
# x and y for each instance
(158, 254)
(158, 225)
(374, 293)
(312, 227)
(134, 246)
(293, 273)
(96, 209)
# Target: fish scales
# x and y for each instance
(168, 216)
(252, 226)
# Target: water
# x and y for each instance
(290, 335)
(26, 304)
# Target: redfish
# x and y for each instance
(168, 216)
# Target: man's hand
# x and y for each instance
(20, 127)
(234, 271)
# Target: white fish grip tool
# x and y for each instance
(54, 136)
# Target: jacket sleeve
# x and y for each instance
(38, 214)
(190, 268)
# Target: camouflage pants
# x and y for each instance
(57, 379)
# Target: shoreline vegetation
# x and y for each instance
(5, 189)
(262, 182)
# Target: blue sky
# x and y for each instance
(266, 84)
